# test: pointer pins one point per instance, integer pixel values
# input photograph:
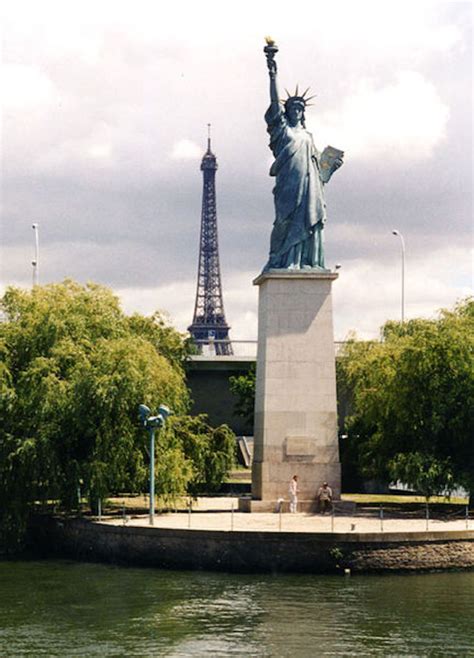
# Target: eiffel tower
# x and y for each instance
(209, 325)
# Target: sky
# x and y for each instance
(105, 107)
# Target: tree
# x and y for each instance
(423, 472)
(211, 451)
(412, 399)
(243, 387)
(74, 370)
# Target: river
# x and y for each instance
(62, 608)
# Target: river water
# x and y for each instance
(62, 608)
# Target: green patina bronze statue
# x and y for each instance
(301, 172)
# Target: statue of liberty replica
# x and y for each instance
(295, 430)
(301, 172)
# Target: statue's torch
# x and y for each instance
(271, 48)
(270, 51)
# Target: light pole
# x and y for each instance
(395, 232)
(151, 423)
(35, 262)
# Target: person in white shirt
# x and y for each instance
(293, 491)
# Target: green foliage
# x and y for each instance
(173, 471)
(336, 555)
(17, 465)
(243, 387)
(166, 340)
(422, 472)
(74, 369)
(412, 399)
(210, 451)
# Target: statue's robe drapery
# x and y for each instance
(300, 209)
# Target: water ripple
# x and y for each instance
(71, 609)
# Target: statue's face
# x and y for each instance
(294, 112)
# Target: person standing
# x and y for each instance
(293, 491)
(325, 497)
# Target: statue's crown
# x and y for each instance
(298, 99)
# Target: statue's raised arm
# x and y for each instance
(270, 51)
(301, 173)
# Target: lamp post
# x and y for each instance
(35, 262)
(395, 232)
(151, 423)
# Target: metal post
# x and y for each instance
(395, 232)
(467, 517)
(151, 423)
(35, 263)
(427, 514)
(99, 508)
(332, 519)
(189, 514)
(152, 475)
(381, 518)
(232, 516)
(403, 279)
(279, 517)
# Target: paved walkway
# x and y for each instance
(217, 514)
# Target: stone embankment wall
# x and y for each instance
(412, 555)
(253, 551)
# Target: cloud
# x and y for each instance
(405, 119)
(366, 295)
(26, 89)
(106, 106)
(185, 149)
(392, 27)
(369, 292)
(177, 300)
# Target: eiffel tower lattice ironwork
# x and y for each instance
(209, 327)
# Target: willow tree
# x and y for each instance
(74, 370)
(412, 395)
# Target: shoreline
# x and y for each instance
(243, 542)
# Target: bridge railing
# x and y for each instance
(241, 348)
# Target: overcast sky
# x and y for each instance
(105, 112)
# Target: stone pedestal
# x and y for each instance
(295, 406)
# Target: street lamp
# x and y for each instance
(151, 423)
(35, 262)
(395, 232)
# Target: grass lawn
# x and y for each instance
(240, 475)
(367, 499)
(245, 475)
(139, 503)
(116, 503)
